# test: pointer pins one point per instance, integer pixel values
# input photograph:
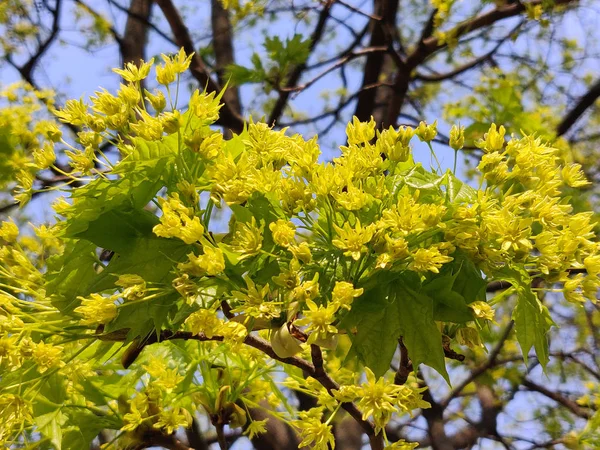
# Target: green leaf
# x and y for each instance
(458, 284)
(378, 329)
(532, 318)
(459, 192)
(241, 75)
(135, 191)
(149, 151)
(420, 333)
(152, 258)
(50, 425)
(70, 273)
(469, 280)
(420, 178)
(448, 305)
(83, 425)
(118, 229)
(47, 413)
(532, 323)
(294, 51)
(144, 317)
(390, 311)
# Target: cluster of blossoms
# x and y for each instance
(308, 248)
(28, 136)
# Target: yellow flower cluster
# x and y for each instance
(306, 242)
(29, 134)
(176, 221)
(379, 399)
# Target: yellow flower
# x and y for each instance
(352, 198)
(97, 309)
(308, 290)
(205, 106)
(428, 259)
(177, 64)
(132, 419)
(204, 321)
(255, 428)
(360, 132)
(377, 399)
(353, 240)
(148, 128)
(248, 239)
(318, 319)
(395, 144)
(493, 140)
(572, 289)
(9, 231)
(47, 356)
(401, 445)
(133, 73)
(426, 133)
(81, 161)
(314, 432)
(210, 263)
(482, 310)
(74, 112)
(134, 286)
(457, 137)
(15, 413)
(169, 380)
(156, 99)
(234, 333)
(283, 232)
(592, 264)
(301, 252)
(176, 222)
(344, 294)
(211, 146)
(44, 157)
(171, 121)
(573, 176)
(171, 419)
(255, 301)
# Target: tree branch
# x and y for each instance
(385, 12)
(296, 73)
(222, 41)
(135, 37)
(228, 118)
(580, 107)
(27, 69)
(429, 45)
(558, 398)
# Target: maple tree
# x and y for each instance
(209, 278)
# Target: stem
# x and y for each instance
(221, 436)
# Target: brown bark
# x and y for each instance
(135, 37)
(223, 47)
(386, 10)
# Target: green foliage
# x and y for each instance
(153, 308)
(282, 55)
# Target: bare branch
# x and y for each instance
(387, 10)
(558, 398)
(294, 77)
(27, 69)
(135, 37)
(579, 109)
(222, 40)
